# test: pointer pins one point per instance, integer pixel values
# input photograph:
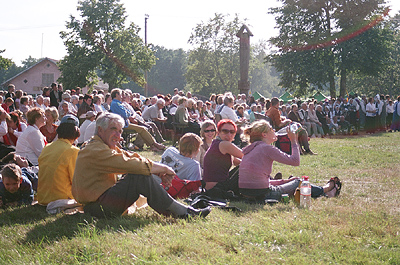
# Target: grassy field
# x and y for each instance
(361, 226)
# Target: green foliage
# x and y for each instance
(387, 81)
(263, 77)
(306, 55)
(30, 61)
(100, 42)
(4, 62)
(213, 65)
(166, 74)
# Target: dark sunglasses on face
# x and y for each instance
(226, 131)
(207, 131)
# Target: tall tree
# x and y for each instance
(263, 77)
(328, 37)
(100, 43)
(169, 70)
(166, 74)
(213, 64)
(387, 81)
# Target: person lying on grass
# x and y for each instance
(96, 185)
(15, 189)
(256, 166)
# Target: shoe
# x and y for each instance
(309, 152)
(192, 212)
(313, 136)
(278, 175)
(159, 146)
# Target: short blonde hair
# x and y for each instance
(53, 112)
(255, 130)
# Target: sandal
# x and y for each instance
(337, 186)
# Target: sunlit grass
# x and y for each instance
(362, 226)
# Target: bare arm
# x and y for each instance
(226, 147)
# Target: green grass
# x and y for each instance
(361, 226)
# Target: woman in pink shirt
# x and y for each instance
(256, 166)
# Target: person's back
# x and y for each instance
(57, 163)
(56, 168)
(82, 129)
(184, 167)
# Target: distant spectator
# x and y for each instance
(49, 130)
(32, 141)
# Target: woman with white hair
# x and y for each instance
(39, 102)
(74, 103)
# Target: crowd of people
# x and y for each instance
(65, 147)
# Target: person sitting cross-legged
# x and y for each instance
(96, 185)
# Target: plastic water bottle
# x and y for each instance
(305, 193)
(295, 127)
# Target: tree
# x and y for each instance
(263, 77)
(387, 81)
(28, 62)
(169, 70)
(4, 62)
(100, 44)
(213, 65)
(325, 38)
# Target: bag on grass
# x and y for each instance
(182, 188)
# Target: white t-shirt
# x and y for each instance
(228, 113)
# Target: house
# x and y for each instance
(33, 79)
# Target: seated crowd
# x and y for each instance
(66, 148)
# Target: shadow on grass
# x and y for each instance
(22, 215)
(256, 207)
(81, 224)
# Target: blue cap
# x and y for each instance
(69, 118)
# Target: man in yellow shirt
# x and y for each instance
(57, 163)
(96, 185)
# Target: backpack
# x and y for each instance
(181, 188)
(283, 143)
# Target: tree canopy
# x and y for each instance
(319, 41)
(4, 62)
(213, 64)
(100, 44)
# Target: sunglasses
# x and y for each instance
(207, 131)
(226, 131)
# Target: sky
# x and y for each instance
(31, 28)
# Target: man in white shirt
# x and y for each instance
(90, 116)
